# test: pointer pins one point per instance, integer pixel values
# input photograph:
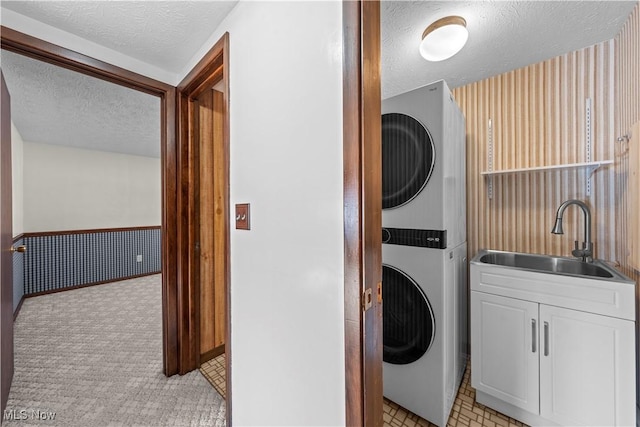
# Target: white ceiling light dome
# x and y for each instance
(444, 38)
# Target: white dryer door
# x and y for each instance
(408, 322)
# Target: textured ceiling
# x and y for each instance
(58, 106)
(54, 105)
(165, 34)
(503, 35)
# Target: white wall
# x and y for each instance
(287, 306)
(68, 188)
(17, 180)
(287, 287)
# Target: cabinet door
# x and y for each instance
(504, 349)
(587, 368)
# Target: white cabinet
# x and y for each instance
(586, 368)
(504, 353)
(543, 359)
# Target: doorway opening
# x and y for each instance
(32, 47)
(203, 121)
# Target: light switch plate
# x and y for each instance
(242, 217)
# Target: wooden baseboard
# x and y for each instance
(85, 285)
(15, 313)
(211, 354)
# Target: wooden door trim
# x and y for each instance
(354, 404)
(362, 210)
(33, 47)
(44, 51)
(213, 67)
(6, 260)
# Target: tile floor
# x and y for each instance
(465, 412)
(215, 370)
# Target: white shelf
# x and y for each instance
(589, 165)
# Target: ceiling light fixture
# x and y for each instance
(444, 38)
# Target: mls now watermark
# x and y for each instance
(28, 414)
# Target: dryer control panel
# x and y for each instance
(412, 237)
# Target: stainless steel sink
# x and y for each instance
(548, 264)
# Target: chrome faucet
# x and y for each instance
(586, 253)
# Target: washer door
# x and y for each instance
(408, 322)
(408, 156)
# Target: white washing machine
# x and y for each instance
(425, 325)
(423, 163)
(424, 250)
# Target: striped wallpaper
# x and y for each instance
(538, 115)
(538, 118)
(627, 112)
(55, 261)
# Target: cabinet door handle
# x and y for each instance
(533, 336)
(546, 338)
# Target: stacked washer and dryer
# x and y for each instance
(424, 251)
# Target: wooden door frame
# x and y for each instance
(360, 232)
(362, 148)
(6, 260)
(212, 68)
(30, 46)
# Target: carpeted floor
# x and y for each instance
(93, 357)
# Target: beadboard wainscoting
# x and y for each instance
(66, 259)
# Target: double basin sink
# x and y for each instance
(549, 264)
